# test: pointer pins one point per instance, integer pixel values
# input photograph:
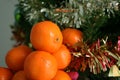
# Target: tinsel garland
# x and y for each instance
(98, 57)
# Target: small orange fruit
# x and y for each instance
(16, 56)
(5, 74)
(71, 36)
(20, 75)
(40, 65)
(63, 57)
(61, 75)
(46, 36)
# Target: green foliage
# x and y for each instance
(78, 11)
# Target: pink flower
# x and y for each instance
(73, 75)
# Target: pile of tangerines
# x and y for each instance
(49, 57)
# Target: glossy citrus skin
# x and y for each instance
(16, 56)
(63, 57)
(20, 75)
(46, 36)
(5, 74)
(61, 75)
(40, 65)
(71, 36)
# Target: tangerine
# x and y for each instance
(20, 75)
(40, 65)
(63, 57)
(16, 56)
(61, 75)
(5, 73)
(71, 36)
(46, 36)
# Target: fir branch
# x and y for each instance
(82, 10)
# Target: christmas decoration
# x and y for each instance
(98, 20)
(114, 71)
(73, 75)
